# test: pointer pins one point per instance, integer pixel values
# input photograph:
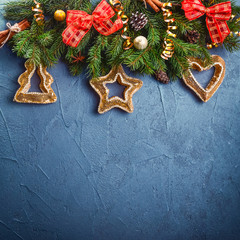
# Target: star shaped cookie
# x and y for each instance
(132, 85)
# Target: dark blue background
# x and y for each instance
(170, 170)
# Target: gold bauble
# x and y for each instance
(59, 15)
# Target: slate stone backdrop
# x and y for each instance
(168, 171)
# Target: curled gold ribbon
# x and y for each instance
(118, 7)
(168, 43)
(38, 13)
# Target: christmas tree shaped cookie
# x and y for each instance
(46, 96)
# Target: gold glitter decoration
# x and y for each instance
(195, 63)
(38, 13)
(132, 85)
(168, 43)
(47, 95)
(118, 7)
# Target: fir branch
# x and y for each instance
(95, 56)
(19, 10)
(232, 43)
(43, 44)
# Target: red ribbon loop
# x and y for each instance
(216, 17)
(79, 23)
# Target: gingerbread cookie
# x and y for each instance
(195, 63)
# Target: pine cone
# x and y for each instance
(162, 77)
(192, 36)
(138, 21)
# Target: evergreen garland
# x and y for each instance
(43, 44)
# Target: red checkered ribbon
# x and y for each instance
(79, 23)
(216, 17)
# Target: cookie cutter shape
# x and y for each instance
(117, 73)
(197, 64)
(46, 96)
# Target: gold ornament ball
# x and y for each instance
(59, 15)
(140, 42)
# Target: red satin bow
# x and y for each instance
(79, 23)
(215, 19)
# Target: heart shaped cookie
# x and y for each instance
(195, 63)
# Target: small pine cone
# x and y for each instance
(192, 36)
(162, 77)
(138, 21)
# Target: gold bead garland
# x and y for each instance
(38, 13)
(118, 7)
(211, 45)
(168, 43)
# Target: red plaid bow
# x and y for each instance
(215, 20)
(79, 23)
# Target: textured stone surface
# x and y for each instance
(168, 171)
